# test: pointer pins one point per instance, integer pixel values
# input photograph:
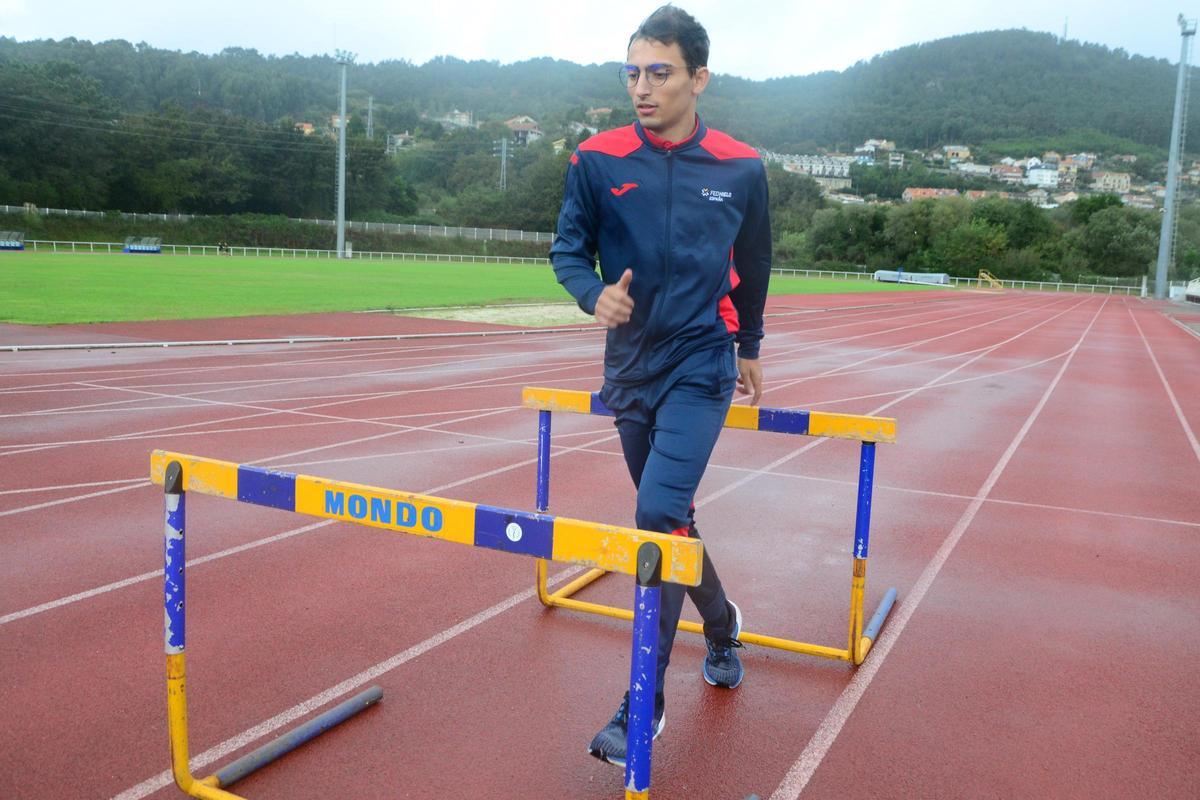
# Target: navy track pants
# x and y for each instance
(668, 428)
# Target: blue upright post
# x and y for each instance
(173, 560)
(643, 668)
(543, 461)
(866, 480)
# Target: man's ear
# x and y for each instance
(700, 80)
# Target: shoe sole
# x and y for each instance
(712, 682)
(620, 762)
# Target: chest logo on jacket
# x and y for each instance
(715, 195)
(625, 187)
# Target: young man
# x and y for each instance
(670, 207)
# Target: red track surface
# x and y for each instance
(1040, 518)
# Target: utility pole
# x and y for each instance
(502, 153)
(371, 117)
(1166, 236)
(345, 59)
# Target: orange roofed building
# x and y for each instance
(914, 193)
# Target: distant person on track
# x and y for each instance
(677, 213)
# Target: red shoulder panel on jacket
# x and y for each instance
(618, 142)
(724, 146)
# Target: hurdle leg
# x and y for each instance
(543, 497)
(174, 619)
(643, 672)
(861, 639)
(174, 595)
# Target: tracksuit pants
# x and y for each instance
(668, 428)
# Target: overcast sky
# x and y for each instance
(763, 39)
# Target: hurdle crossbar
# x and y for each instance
(865, 429)
(650, 557)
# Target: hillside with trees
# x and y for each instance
(114, 125)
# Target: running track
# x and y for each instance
(1040, 517)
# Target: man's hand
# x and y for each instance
(614, 306)
(750, 378)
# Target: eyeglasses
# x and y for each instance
(656, 74)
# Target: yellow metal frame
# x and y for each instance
(208, 788)
(843, 426)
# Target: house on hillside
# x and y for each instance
(525, 129)
(1111, 182)
(1141, 201)
(305, 128)
(457, 119)
(895, 160)
(956, 152)
(1044, 176)
(1080, 160)
(397, 142)
(1039, 197)
(598, 116)
(1008, 173)
(921, 193)
(972, 169)
(1051, 157)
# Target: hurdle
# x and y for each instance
(864, 429)
(650, 557)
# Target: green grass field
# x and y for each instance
(48, 288)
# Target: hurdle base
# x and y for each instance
(289, 741)
(561, 598)
(212, 786)
(871, 632)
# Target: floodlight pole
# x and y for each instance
(344, 59)
(1187, 29)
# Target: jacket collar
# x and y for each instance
(658, 143)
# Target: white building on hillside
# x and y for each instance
(1044, 176)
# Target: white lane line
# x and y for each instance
(886, 487)
(1185, 328)
(158, 573)
(1187, 428)
(822, 740)
(232, 744)
(61, 487)
(323, 356)
(72, 499)
(240, 430)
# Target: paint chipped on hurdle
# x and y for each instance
(866, 430)
(650, 557)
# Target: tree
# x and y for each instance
(793, 198)
(967, 248)
(1118, 241)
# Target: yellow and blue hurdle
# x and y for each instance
(650, 557)
(864, 429)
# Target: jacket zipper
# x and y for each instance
(666, 284)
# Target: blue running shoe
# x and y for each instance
(722, 667)
(609, 744)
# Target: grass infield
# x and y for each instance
(49, 288)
